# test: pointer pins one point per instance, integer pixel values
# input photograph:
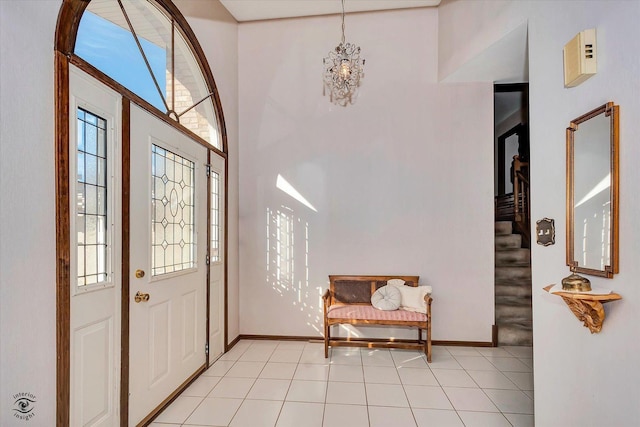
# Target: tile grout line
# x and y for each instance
(203, 398)
(406, 395)
(489, 397)
(284, 400)
(364, 386)
(326, 388)
(253, 384)
(445, 393)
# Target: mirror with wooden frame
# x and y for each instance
(592, 192)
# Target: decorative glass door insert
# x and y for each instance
(172, 212)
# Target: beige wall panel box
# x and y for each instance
(580, 58)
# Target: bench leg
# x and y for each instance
(427, 343)
(326, 340)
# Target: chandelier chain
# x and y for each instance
(342, 21)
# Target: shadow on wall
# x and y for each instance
(288, 234)
(287, 258)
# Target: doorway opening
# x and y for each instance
(513, 307)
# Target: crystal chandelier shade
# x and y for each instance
(343, 69)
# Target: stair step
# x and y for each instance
(513, 256)
(515, 334)
(508, 241)
(516, 273)
(503, 227)
(513, 300)
(509, 313)
(513, 289)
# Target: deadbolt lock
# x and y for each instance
(139, 274)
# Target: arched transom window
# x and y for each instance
(142, 48)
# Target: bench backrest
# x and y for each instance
(358, 289)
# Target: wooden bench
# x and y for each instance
(348, 301)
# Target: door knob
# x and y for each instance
(139, 274)
(140, 297)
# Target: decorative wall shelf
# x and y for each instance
(587, 308)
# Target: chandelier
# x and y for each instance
(343, 69)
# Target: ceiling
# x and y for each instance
(505, 104)
(255, 10)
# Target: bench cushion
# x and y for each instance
(367, 312)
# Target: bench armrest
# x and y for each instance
(326, 298)
(428, 300)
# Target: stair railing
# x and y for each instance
(521, 198)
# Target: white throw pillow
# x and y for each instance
(395, 282)
(386, 298)
(412, 296)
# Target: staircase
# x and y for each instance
(512, 287)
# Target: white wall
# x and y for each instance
(580, 379)
(27, 210)
(390, 176)
(484, 23)
(613, 394)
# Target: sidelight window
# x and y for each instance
(215, 216)
(91, 198)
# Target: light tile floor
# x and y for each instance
(291, 384)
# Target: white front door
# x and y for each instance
(168, 271)
(94, 186)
